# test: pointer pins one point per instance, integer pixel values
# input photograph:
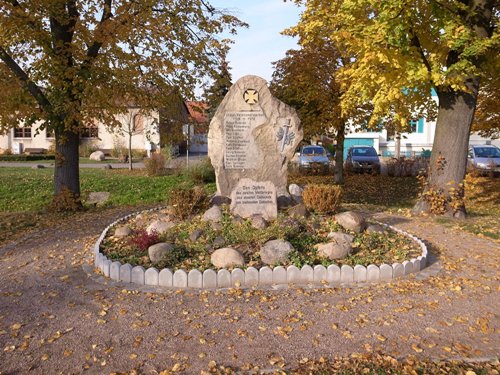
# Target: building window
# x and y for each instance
(22, 132)
(416, 126)
(89, 132)
(138, 125)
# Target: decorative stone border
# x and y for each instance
(332, 275)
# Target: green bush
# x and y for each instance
(26, 157)
(87, 148)
(322, 198)
(201, 173)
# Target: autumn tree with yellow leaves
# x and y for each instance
(401, 51)
(70, 63)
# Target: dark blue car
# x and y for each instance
(362, 159)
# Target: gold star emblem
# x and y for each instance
(251, 96)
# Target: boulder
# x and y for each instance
(219, 241)
(339, 247)
(97, 198)
(122, 231)
(197, 233)
(375, 228)
(38, 166)
(298, 211)
(97, 156)
(227, 257)
(252, 135)
(108, 166)
(275, 251)
(259, 222)
(159, 226)
(296, 192)
(159, 251)
(285, 201)
(351, 220)
(213, 214)
(219, 200)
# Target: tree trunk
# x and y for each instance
(130, 167)
(66, 172)
(338, 176)
(443, 192)
(397, 146)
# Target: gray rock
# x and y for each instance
(219, 241)
(275, 251)
(98, 198)
(237, 220)
(375, 228)
(213, 214)
(97, 156)
(159, 251)
(338, 247)
(195, 235)
(122, 231)
(296, 192)
(351, 220)
(219, 200)
(216, 226)
(108, 166)
(159, 226)
(265, 129)
(259, 222)
(284, 201)
(38, 166)
(298, 211)
(227, 257)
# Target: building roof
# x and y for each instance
(197, 111)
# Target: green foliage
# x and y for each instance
(201, 173)
(322, 198)
(87, 148)
(23, 157)
(214, 95)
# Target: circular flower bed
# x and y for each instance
(155, 240)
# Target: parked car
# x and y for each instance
(484, 158)
(362, 159)
(313, 158)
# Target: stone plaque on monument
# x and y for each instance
(252, 135)
(251, 198)
(240, 149)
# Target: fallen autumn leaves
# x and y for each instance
(53, 318)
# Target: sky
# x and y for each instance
(261, 44)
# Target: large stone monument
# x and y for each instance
(252, 138)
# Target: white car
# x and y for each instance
(484, 158)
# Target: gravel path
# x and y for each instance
(55, 318)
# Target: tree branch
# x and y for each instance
(93, 50)
(415, 42)
(31, 86)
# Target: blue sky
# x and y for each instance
(261, 44)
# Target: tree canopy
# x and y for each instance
(401, 51)
(70, 63)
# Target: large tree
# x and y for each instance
(404, 49)
(70, 63)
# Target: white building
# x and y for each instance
(412, 144)
(148, 132)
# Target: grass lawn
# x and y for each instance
(24, 193)
(32, 189)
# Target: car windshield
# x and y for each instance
(364, 151)
(313, 151)
(487, 152)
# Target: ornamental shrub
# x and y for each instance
(143, 240)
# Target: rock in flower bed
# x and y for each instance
(312, 240)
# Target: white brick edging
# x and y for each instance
(330, 276)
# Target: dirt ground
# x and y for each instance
(56, 318)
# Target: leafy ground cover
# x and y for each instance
(303, 234)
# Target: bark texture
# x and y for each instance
(449, 152)
(338, 176)
(66, 170)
